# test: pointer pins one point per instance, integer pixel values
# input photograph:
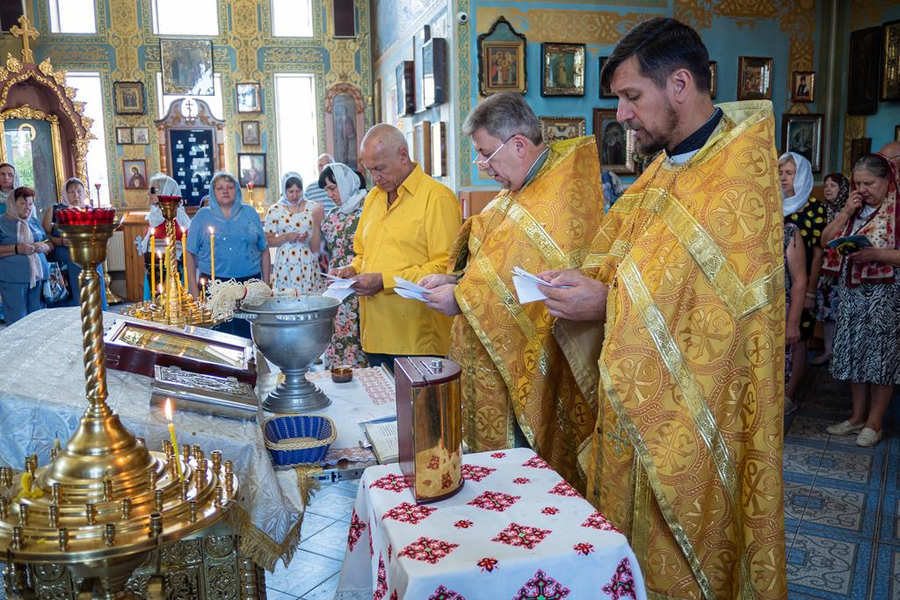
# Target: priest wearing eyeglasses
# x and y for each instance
(517, 387)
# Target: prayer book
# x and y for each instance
(849, 244)
(383, 437)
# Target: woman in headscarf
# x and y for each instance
(162, 185)
(242, 252)
(836, 192)
(9, 179)
(23, 260)
(346, 189)
(808, 215)
(292, 226)
(866, 341)
(74, 197)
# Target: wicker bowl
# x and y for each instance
(298, 439)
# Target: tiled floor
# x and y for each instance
(841, 512)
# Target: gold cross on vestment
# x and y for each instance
(25, 31)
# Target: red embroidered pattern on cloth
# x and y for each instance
(583, 548)
(542, 587)
(549, 510)
(622, 583)
(442, 593)
(564, 489)
(498, 454)
(427, 550)
(394, 595)
(521, 480)
(463, 524)
(371, 548)
(536, 462)
(381, 586)
(408, 512)
(356, 529)
(598, 521)
(391, 483)
(476, 473)
(522, 535)
(488, 564)
(494, 501)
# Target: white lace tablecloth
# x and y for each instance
(515, 531)
(42, 397)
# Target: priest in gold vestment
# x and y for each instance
(687, 271)
(516, 384)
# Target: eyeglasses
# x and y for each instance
(485, 163)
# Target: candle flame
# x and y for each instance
(211, 231)
(168, 409)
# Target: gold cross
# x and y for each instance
(25, 32)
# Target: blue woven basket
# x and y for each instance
(298, 439)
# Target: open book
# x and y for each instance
(849, 244)
(383, 437)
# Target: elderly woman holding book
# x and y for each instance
(866, 343)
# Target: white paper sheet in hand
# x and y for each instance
(408, 289)
(341, 289)
(527, 286)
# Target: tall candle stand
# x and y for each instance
(175, 305)
(111, 296)
(104, 501)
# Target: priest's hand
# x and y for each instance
(441, 299)
(344, 272)
(584, 300)
(368, 284)
(436, 280)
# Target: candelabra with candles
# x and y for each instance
(104, 502)
(172, 303)
(111, 296)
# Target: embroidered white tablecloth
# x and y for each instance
(515, 531)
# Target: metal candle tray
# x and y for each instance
(218, 396)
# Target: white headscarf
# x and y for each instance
(347, 182)
(17, 182)
(25, 236)
(165, 186)
(284, 180)
(803, 183)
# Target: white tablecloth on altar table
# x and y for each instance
(515, 531)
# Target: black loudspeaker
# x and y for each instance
(344, 18)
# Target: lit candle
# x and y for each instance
(212, 254)
(168, 409)
(203, 288)
(152, 261)
(159, 257)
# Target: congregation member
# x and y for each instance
(23, 257)
(241, 250)
(836, 190)
(345, 188)
(75, 196)
(866, 340)
(314, 192)
(688, 284)
(794, 293)
(891, 151)
(517, 387)
(808, 214)
(406, 228)
(162, 185)
(7, 182)
(293, 226)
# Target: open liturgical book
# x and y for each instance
(383, 437)
(849, 244)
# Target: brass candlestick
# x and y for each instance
(105, 501)
(175, 305)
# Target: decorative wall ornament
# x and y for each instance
(562, 69)
(501, 60)
(554, 129)
(248, 97)
(187, 67)
(605, 90)
(434, 72)
(754, 78)
(859, 147)
(422, 145)
(134, 170)
(252, 169)
(614, 143)
(803, 134)
(439, 149)
(862, 88)
(890, 61)
(345, 110)
(129, 97)
(406, 99)
(803, 86)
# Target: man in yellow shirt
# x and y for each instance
(408, 223)
(517, 387)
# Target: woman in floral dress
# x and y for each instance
(293, 226)
(344, 186)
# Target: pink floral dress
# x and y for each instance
(295, 265)
(338, 230)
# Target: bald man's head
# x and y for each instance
(892, 151)
(384, 154)
(324, 160)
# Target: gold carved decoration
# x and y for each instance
(13, 64)
(25, 31)
(25, 112)
(854, 127)
(552, 25)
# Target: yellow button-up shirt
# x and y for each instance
(411, 239)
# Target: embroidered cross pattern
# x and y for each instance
(391, 483)
(427, 550)
(521, 480)
(522, 536)
(536, 462)
(497, 501)
(381, 586)
(549, 510)
(564, 489)
(498, 454)
(542, 587)
(442, 593)
(476, 473)
(583, 548)
(622, 583)
(598, 521)
(408, 512)
(356, 529)
(464, 524)
(488, 564)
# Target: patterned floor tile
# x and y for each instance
(313, 524)
(306, 572)
(324, 591)
(276, 595)
(886, 583)
(890, 519)
(332, 502)
(330, 542)
(834, 567)
(812, 427)
(802, 460)
(857, 466)
(796, 496)
(850, 510)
